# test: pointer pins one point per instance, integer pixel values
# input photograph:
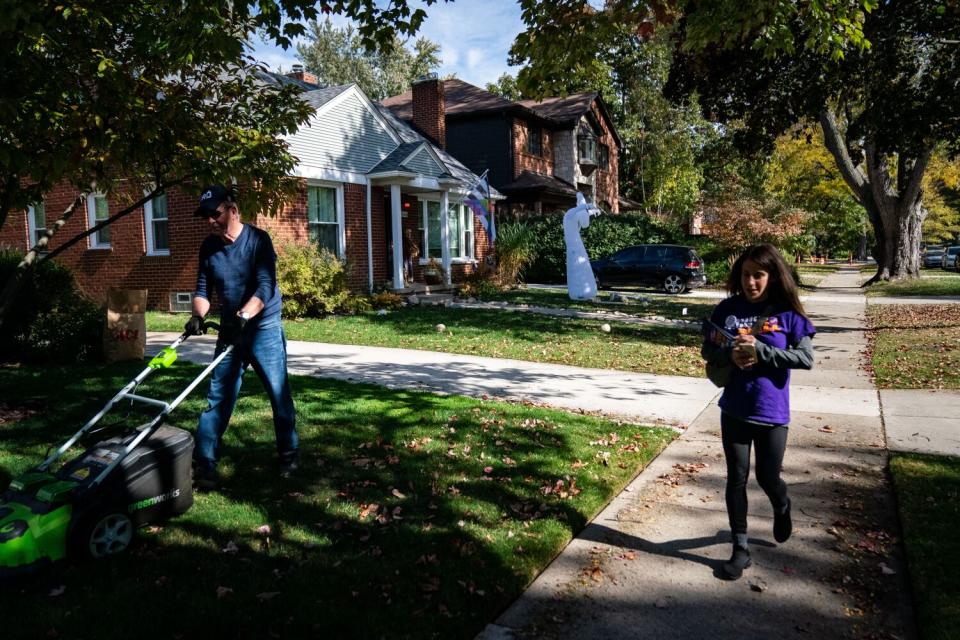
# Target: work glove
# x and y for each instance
(232, 332)
(194, 326)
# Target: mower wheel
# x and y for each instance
(104, 534)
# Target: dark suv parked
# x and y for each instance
(671, 267)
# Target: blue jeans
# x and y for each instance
(265, 348)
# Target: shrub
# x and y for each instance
(313, 281)
(356, 304)
(386, 300)
(606, 235)
(515, 250)
(50, 320)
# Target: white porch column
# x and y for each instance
(445, 236)
(395, 219)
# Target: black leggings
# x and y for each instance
(770, 443)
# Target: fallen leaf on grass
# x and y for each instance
(231, 548)
(887, 571)
(264, 530)
(223, 592)
(57, 591)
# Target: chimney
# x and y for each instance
(429, 108)
(298, 73)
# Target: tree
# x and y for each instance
(883, 110)
(802, 173)
(941, 188)
(505, 87)
(339, 56)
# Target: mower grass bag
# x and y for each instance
(92, 504)
(45, 517)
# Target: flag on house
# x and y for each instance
(478, 199)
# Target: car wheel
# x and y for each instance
(674, 284)
(105, 534)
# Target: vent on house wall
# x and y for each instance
(181, 301)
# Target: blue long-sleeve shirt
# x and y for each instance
(240, 270)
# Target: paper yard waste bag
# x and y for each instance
(126, 334)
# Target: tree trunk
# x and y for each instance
(895, 211)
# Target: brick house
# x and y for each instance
(539, 153)
(365, 178)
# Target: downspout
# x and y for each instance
(369, 241)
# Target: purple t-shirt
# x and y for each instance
(760, 393)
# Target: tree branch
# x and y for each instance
(838, 148)
(912, 190)
(136, 205)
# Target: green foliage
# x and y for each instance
(386, 300)
(606, 235)
(356, 304)
(50, 320)
(313, 281)
(505, 87)
(516, 248)
(338, 55)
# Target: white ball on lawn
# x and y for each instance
(441, 328)
(605, 328)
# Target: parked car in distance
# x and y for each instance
(950, 257)
(670, 267)
(933, 257)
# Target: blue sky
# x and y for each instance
(474, 38)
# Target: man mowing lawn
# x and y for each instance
(238, 261)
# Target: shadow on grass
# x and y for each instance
(394, 526)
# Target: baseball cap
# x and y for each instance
(211, 198)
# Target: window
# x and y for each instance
(323, 223)
(460, 227)
(36, 222)
(534, 140)
(586, 148)
(97, 211)
(603, 157)
(155, 222)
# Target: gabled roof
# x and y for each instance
(566, 109)
(533, 181)
(463, 99)
(456, 168)
(319, 97)
(569, 109)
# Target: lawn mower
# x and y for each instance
(92, 504)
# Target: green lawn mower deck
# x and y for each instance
(92, 505)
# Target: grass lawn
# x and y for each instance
(652, 305)
(932, 282)
(413, 515)
(502, 334)
(928, 494)
(915, 346)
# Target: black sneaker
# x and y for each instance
(205, 478)
(740, 560)
(289, 464)
(782, 524)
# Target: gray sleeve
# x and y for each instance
(798, 357)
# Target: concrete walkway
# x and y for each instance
(658, 546)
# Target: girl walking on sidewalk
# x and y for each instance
(760, 332)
